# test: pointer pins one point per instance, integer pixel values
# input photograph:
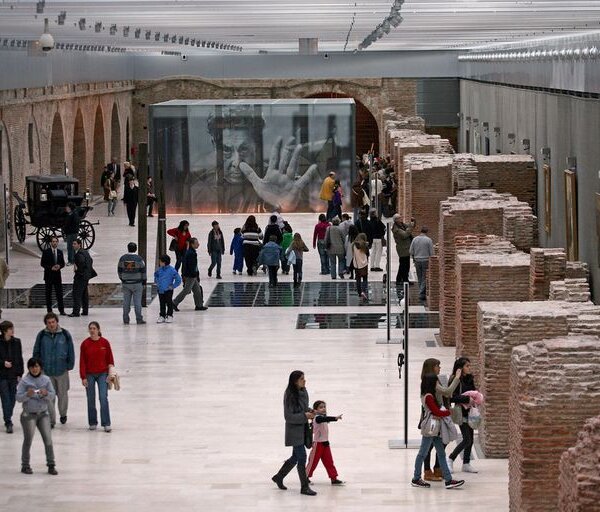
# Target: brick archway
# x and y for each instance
(99, 160)
(115, 134)
(367, 131)
(79, 151)
(57, 146)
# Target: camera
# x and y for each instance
(46, 40)
(184, 56)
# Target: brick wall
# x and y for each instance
(546, 265)
(554, 389)
(428, 181)
(485, 277)
(469, 212)
(580, 471)
(502, 326)
(570, 290)
(433, 282)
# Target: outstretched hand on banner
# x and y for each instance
(280, 187)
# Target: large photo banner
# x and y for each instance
(220, 156)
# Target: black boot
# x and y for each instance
(305, 488)
(282, 473)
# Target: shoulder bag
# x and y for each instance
(430, 424)
(173, 245)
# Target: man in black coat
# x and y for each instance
(191, 278)
(52, 262)
(83, 273)
(71, 230)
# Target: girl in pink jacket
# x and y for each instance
(321, 449)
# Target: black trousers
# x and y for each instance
(131, 208)
(166, 303)
(403, 268)
(81, 299)
(58, 292)
(273, 274)
(466, 444)
(251, 256)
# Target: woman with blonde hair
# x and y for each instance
(95, 362)
(360, 262)
(297, 247)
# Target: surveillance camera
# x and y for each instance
(326, 56)
(183, 56)
(46, 40)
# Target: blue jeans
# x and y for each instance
(70, 238)
(134, 291)
(426, 443)
(215, 260)
(29, 422)
(298, 270)
(324, 256)
(298, 456)
(92, 380)
(8, 393)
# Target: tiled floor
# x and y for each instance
(198, 423)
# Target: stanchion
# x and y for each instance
(388, 289)
(403, 359)
(7, 222)
(142, 199)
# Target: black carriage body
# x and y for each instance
(45, 204)
(47, 198)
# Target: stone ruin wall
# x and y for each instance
(554, 389)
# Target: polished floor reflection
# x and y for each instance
(316, 294)
(366, 321)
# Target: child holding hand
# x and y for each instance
(321, 449)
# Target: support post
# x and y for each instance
(142, 223)
(388, 291)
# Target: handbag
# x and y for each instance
(456, 413)
(474, 418)
(430, 424)
(112, 194)
(308, 435)
(173, 245)
(291, 257)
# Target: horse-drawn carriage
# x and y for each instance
(45, 204)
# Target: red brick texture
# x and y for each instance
(554, 389)
(580, 471)
(504, 325)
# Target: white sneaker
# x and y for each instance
(160, 320)
(450, 463)
(467, 468)
(169, 320)
(107, 429)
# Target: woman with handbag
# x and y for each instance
(443, 392)
(298, 433)
(181, 234)
(110, 193)
(460, 414)
(95, 363)
(295, 256)
(430, 430)
(360, 263)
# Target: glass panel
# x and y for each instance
(237, 156)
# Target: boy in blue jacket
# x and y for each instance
(270, 255)
(237, 249)
(166, 279)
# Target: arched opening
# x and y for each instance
(127, 142)
(79, 152)
(99, 150)
(57, 146)
(115, 134)
(367, 132)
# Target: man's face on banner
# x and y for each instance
(238, 147)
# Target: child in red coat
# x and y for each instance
(321, 449)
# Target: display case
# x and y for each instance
(251, 156)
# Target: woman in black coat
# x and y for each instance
(297, 413)
(130, 197)
(11, 370)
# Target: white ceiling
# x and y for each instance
(276, 25)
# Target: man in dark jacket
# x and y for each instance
(363, 224)
(54, 346)
(130, 197)
(114, 167)
(71, 230)
(216, 248)
(53, 261)
(132, 273)
(191, 278)
(83, 273)
(273, 229)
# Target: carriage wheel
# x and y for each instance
(20, 224)
(44, 235)
(87, 234)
